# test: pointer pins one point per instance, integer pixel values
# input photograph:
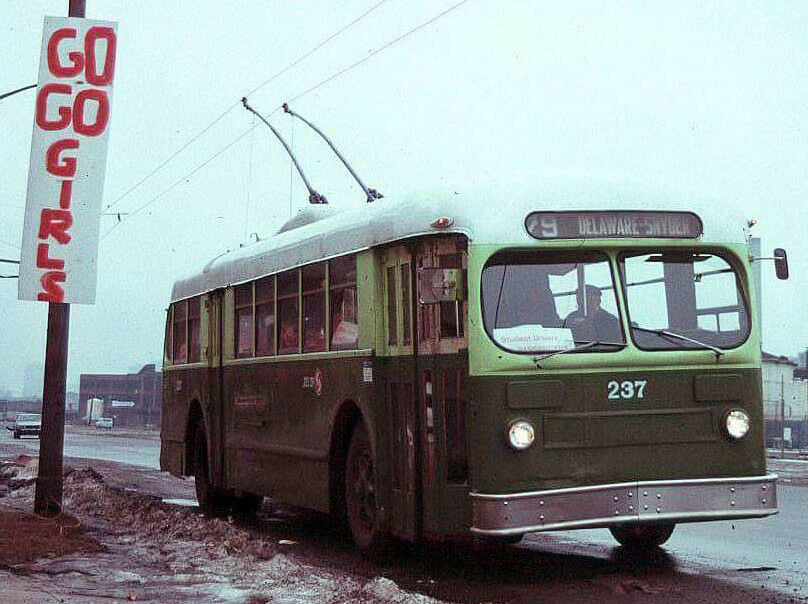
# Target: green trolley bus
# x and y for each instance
(476, 364)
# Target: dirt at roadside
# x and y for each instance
(27, 537)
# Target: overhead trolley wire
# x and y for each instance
(302, 94)
(177, 182)
(316, 48)
(373, 53)
(230, 107)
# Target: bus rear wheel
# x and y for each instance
(361, 503)
(211, 501)
(246, 505)
(642, 537)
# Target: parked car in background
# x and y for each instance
(26, 423)
(104, 423)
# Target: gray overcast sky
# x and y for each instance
(711, 96)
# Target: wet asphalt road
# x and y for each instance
(770, 553)
(99, 445)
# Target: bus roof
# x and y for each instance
(484, 216)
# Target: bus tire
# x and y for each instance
(642, 537)
(211, 501)
(247, 505)
(361, 504)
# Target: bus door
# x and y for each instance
(212, 343)
(399, 393)
(247, 392)
(442, 365)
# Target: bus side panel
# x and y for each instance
(182, 388)
(279, 424)
(172, 429)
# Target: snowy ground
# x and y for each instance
(167, 553)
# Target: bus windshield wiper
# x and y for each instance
(579, 345)
(672, 334)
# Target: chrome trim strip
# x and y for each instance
(618, 520)
(626, 485)
(651, 501)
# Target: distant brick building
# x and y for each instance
(785, 402)
(133, 399)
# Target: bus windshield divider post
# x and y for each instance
(372, 194)
(314, 196)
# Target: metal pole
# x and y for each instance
(48, 496)
(13, 92)
(782, 420)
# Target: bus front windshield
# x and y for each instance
(548, 301)
(683, 300)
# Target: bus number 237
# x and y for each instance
(626, 389)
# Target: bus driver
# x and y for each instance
(590, 322)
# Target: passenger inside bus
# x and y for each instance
(344, 333)
(287, 342)
(590, 322)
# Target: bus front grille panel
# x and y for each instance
(627, 428)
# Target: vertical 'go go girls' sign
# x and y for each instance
(59, 255)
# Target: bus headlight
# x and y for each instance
(521, 434)
(736, 423)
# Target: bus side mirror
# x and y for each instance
(440, 285)
(780, 263)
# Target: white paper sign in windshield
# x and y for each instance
(59, 257)
(533, 338)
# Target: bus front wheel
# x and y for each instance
(361, 504)
(211, 501)
(639, 536)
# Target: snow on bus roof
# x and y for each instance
(493, 215)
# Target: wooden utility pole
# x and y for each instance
(48, 497)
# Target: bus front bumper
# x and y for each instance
(685, 500)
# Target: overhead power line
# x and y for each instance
(177, 182)
(299, 96)
(7, 94)
(230, 107)
(378, 50)
(316, 48)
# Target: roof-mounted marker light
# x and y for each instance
(443, 222)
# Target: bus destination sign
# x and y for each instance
(618, 224)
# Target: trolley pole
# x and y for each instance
(48, 496)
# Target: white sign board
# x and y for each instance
(68, 161)
(533, 338)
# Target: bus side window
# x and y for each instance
(265, 316)
(457, 464)
(314, 308)
(451, 313)
(179, 334)
(288, 312)
(392, 319)
(244, 318)
(342, 285)
(194, 331)
(405, 304)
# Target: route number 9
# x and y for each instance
(626, 389)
